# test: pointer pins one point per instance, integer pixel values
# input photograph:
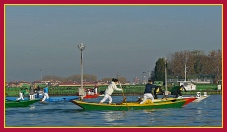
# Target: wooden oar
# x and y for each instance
(124, 100)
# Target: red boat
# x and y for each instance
(91, 93)
(91, 96)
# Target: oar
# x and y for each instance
(124, 100)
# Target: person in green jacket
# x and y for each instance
(178, 91)
(158, 90)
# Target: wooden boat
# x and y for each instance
(187, 99)
(170, 103)
(19, 103)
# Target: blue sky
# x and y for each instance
(127, 40)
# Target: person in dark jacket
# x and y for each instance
(157, 90)
(37, 91)
(148, 91)
(179, 90)
(31, 93)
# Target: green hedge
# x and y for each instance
(128, 89)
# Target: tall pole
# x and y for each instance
(144, 77)
(41, 75)
(185, 71)
(149, 75)
(165, 74)
(82, 70)
(166, 92)
(81, 47)
(117, 75)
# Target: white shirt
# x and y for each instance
(111, 88)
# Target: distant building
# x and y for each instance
(18, 84)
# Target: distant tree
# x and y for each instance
(90, 78)
(193, 60)
(73, 78)
(176, 63)
(197, 63)
(152, 76)
(86, 77)
(216, 64)
(122, 79)
(159, 72)
(106, 79)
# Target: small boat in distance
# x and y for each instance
(91, 93)
(201, 97)
(50, 99)
(19, 103)
(198, 97)
(91, 96)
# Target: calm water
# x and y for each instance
(207, 113)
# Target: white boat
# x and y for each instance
(201, 97)
(198, 96)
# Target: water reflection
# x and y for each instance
(114, 117)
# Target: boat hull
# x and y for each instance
(201, 98)
(175, 103)
(91, 96)
(19, 103)
(189, 100)
(61, 98)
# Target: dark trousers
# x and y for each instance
(178, 93)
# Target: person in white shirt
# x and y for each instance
(108, 92)
(45, 94)
(95, 90)
(21, 94)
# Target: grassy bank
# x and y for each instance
(128, 90)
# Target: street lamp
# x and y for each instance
(185, 69)
(144, 78)
(41, 75)
(81, 47)
(166, 92)
(165, 74)
(185, 72)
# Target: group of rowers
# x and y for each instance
(147, 92)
